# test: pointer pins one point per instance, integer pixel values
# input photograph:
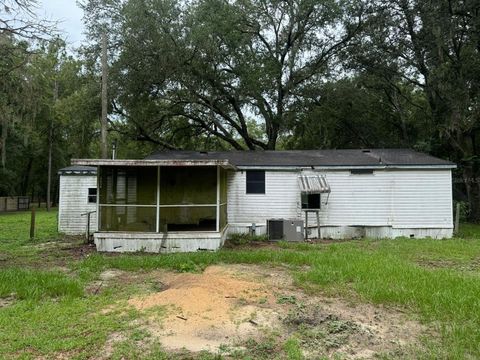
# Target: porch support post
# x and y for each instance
(157, 227)
(217, 218)
(98, 198)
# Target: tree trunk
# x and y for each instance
(26, 178)
(50, 146)
(49, 178)
(471, 177)
(398, 107)
(103, 120)
(3, 141)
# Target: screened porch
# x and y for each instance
(162, 199)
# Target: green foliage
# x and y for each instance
(436, 279)
(226, 79)
(15, 226)
(464, 210)
(244, 239)
(355, 114)
(33, 284)
(73, 326)
(293, 350)
(48, 90)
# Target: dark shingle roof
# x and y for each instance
(357, 157)
(78, 170)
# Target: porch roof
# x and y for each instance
(154, 162)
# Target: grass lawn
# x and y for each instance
(48, 307)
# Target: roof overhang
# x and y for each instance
(77, 172)
(346, 167)
(109, 162)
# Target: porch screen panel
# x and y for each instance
(127, 198)
(188, 218)
(223, 216)
(188, 185)
(128, 185)
(188, 198)
(127, 218)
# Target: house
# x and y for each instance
(78, 197)
(189, 201)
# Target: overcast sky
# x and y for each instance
(68, 14)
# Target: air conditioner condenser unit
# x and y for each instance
(284, 229)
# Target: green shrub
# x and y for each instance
(244, 239)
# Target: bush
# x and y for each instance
(243, 239)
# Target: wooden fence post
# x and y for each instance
(32, 224)
(457, 218)
(88, 228)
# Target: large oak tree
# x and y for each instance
(223, 68)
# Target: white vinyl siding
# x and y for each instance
(281, 198)
(73, 202)
(397, 198)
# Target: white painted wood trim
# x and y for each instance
(129, 162)
(217, 218)
(127, 205)
(157, 227)
(188, 205)
(98, 199)
(160, 206)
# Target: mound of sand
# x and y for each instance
(210, 309)
(229, 304)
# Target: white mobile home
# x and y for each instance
(188, 201)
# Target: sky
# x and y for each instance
(69, 16)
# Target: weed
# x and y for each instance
(286, 299)
(188, 266)
(139, 334)
(293, 349)
(243, 239)
(262, 349)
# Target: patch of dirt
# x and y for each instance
(437, 264)
(112, 340)
(470, 266)
(209, 309)
(114, 277)
(334, 327)
(229, 304)
(7, 301)
(50, 254)
(110, 274)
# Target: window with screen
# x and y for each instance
(255, 182)
(92, 195)
(311, 201)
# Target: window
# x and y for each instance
(311, 201)
(255, 182)
(361, 171)
(92, 195)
